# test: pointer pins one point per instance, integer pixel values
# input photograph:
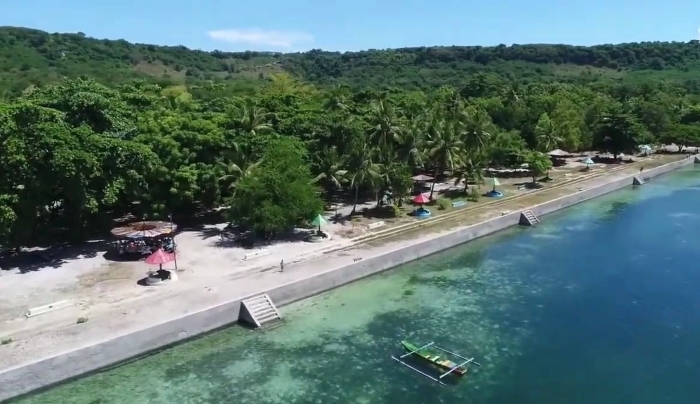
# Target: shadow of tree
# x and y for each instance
(237, 238)
(38, 258)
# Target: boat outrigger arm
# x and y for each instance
(416, 370)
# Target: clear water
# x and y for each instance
(598, 305)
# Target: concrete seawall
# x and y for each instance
(45, 373)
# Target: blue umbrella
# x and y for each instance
(588, 161)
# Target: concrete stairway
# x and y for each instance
(527, 218)
(259, 311)
(637, 181)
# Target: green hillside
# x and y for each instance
(35, 57)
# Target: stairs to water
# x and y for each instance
(260, 311)
(527, 218)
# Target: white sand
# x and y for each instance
(96, 285)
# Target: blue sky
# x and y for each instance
(360, 24)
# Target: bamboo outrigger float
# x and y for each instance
(423, 353)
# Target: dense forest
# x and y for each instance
(33, 57)
(87, 131)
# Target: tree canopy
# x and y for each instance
(80, 149)
(33, 57)
(279, 193)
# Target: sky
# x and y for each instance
(293, 26)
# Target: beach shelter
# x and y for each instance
(160, 257)
(420, 199)
(422, 178)
(559, 153)
(495, 183)
(588, 162)
(319, 220)
(145, 229)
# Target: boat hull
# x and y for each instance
(433, 359)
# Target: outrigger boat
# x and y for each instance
(426, 355)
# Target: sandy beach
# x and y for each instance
(211, 271)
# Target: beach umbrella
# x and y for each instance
(495, 183)
(318, 221)
(588, 162)
(420, 199)
(160, 257)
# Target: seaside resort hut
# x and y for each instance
(558, 157)
(419, 182)
(143, 236)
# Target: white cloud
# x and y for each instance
(262, 38)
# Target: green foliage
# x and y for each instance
(474, 195)
(278, 194)
(33, 57)
(444, 203)
(77, 150)
(399, 181)
(539, 164)
(619, 133)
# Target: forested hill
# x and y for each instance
(30, 56)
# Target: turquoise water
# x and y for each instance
(599, 304)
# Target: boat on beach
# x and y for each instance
(429, 356)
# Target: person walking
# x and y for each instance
(282, 266)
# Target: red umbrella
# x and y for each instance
(421, 199)
(160, 257)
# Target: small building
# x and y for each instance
(558, 157)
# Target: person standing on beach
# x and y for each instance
(282, 266)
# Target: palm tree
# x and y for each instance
(477, 125)
(383, 117)
(410, 143)
(328, 164)
(362, 169)
(444, 147)
(338, 99)
(253, 119)
(240, 166)
(471, 170)
(547, 134)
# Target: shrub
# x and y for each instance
(444, 203)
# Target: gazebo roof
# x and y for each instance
(559, 153)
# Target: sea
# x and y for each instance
(599, 304)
